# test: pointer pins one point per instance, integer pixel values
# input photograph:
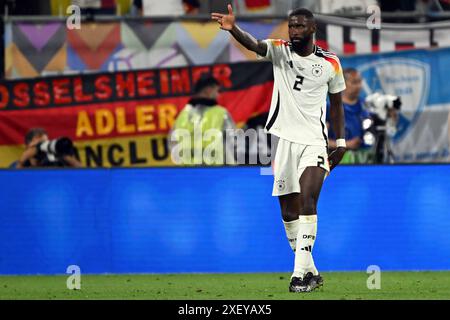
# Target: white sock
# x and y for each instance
(291, 228)
(306, 237)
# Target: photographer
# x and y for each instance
(42, 152)
(355, 115)
(371, 124)
(387, 123)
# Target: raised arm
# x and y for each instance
(338, 125)
(228, 22)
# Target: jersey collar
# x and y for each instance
(313, 53)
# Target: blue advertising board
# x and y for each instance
(172, 220)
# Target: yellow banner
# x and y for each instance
(136, 151)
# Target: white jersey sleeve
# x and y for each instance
(274, 49)
(337, 82)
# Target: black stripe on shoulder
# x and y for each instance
(275, 114)
(320, 52)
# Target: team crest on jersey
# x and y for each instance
(316, 70)
(281, 184)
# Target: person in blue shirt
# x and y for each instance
(354, 112)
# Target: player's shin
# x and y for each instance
(291, 228)
(306, 237)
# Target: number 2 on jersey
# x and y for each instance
(321, 161)
(298, 83)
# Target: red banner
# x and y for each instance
(122, 119)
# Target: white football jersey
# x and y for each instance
(301, 84)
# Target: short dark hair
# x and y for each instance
(204, 82)
(33, 132)
(302, 12)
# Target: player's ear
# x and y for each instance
(314, 26)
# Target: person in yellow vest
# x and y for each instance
(198, 135)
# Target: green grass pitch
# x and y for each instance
(265, 286)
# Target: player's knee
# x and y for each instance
(309, 205)
(309, 210)
(289, 215)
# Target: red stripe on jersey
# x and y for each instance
(334, 62)
(279, 42)
(331, 57)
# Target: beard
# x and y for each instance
(300, 45)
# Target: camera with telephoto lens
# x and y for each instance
(382, 125)
(50, 153)
(380, 104)
(59, 147)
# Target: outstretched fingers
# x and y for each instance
(223, 18)
(230, 9)
(216, 16)
(218, 20)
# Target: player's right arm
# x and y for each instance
(228, 22)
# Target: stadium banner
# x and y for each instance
(40, 48)
(419, 77)
(122, 118)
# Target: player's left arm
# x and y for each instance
(336, 85)
(338, 125)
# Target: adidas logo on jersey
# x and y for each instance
(291, 64)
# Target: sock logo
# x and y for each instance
(307, 248)
(310, 236)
